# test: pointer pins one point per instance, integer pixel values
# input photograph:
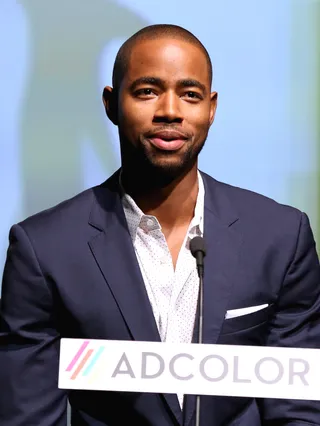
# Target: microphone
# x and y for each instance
(198, 251)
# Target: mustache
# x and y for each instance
(167, 128)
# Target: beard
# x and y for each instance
(153, 168)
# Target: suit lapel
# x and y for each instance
(114, 253)
(221, 269)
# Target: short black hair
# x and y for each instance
(153, 32)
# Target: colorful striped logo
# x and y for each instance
(84, 361)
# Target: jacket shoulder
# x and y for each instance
(254, 207)
(71, 210)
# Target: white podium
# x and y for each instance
(249, 371)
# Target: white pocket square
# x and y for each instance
(233, 313)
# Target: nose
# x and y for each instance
(168, 108)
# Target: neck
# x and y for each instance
(173, 205)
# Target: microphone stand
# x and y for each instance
(197, 248)
(200, 331)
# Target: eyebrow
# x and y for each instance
(156, 81)
(192, 83)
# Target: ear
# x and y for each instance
(110, 101)
(213, 105)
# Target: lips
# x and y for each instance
(168, 140)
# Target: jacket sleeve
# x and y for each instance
(296, 323)
(29, 342)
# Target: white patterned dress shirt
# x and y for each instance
(173, 292)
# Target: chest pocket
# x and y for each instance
(248, 321)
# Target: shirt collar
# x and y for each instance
(136, 218)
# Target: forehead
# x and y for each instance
(168, 59)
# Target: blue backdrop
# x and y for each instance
(56, 56)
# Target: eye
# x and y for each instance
(193, 95)
(145, 92)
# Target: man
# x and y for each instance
(114, 262)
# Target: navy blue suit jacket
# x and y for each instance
(71, 271)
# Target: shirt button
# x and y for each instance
(149, 223)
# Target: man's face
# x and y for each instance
(165, 107)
